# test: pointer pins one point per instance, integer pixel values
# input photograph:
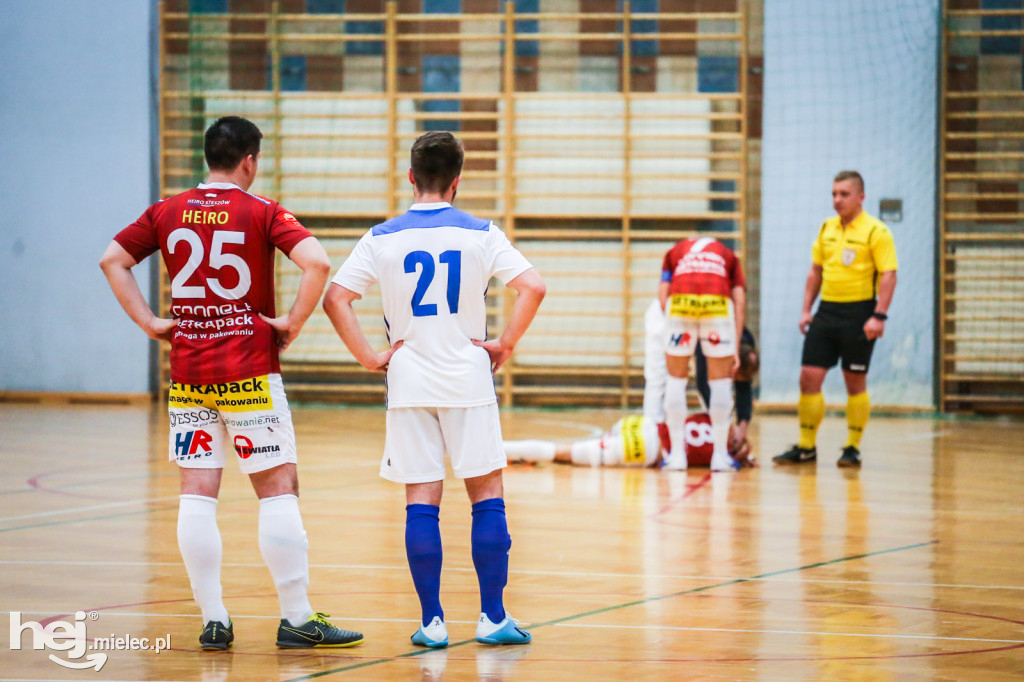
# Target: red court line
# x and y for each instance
(691, 488)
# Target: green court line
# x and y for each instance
(637, 602)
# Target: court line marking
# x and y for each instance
(92, 518)
(574, 574)
(793, 632)
(351, 619)
(92, 507)
(635, 602)
(591, 430)
(926, 435)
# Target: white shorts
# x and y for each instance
(249, 419)
(417, 439)
(717, 335)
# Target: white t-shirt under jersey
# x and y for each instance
(433, 264)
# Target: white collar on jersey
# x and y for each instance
(433, 206)
(218, 185)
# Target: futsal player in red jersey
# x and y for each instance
(702, 292)
(226, 396)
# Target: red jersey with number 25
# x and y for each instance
(702, 266)
(218, 243)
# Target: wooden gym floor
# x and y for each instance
(912, 568)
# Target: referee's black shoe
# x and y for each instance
(850, 458)
(796, 455)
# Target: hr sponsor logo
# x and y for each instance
(191, 445)
(679, 339)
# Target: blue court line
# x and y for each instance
(638, 602)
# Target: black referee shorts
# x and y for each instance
(837, 331)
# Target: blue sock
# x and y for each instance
(491, 543)
(423, 549)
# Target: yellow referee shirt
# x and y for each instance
(851, 257)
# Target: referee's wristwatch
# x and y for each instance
(880, 316)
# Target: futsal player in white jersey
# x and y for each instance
(433, 265)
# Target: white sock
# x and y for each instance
(675, 414)
(529, 450)
(285, 550)
(586, 453)
(201, 550)
(720, 411)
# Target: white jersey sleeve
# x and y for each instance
(359, 271)
(508, 262)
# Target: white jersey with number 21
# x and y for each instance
(433, 264)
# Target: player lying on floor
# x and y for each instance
(632, 441)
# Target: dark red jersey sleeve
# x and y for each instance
(140, 238)
(668, 265)
(285, 230)
(738, 278)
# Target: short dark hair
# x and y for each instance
(850, 175)
(229, 140)
(750, 362)
(436, 161)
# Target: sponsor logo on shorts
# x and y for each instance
(245, 448)
(698, 305)
(714, 339)
(203, 417)
(259, 420)
(234, 396)
(858, 368)
(679, 339)
(192, 445)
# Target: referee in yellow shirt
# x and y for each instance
(854, 269)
